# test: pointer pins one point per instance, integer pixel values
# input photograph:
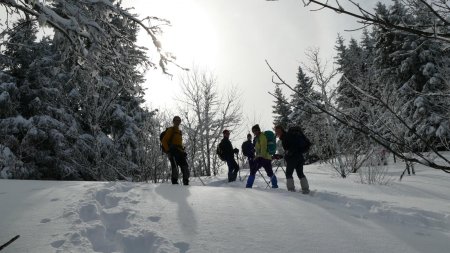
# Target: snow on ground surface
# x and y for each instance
(342, 216)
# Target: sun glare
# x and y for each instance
(192, 37)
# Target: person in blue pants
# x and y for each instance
(262, 159)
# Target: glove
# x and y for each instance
(287, 154)
(236, 151)
(277, 156)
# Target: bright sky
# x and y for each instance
(233, 38)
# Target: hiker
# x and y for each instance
(227, 154)
(172, 144)
(248, 150)
(263, 159)
(293, 142)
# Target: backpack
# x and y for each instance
(303, 144)
(248, 149)
(271, 142)
(220, 153)
(161, 137)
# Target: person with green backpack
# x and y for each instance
(263, 157)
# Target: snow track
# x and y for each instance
(105, 221)
(342, 216)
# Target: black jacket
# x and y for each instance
(248, 149)
(227, 148)
(292, 144)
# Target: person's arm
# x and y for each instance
(285, 141)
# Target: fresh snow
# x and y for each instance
(412, 215)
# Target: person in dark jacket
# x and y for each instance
(292, 143)
(248, 150)
(228, 154)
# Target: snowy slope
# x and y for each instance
(343, 216)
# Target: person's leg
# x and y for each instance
(251, 162)
(267, 165)
(253, 169)
(231, 163)
(299, 169)
(289, 171)
(173, 165)
(181, 160)
(303, 180)
(235, 167)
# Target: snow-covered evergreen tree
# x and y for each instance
(306, 116)
(281, 108)
(354, 65)
(41, 143)
(72, 116)
(408, 66)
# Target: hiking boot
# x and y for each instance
(274, 181)
(290, 184)
(304, 184)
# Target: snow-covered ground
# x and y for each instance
(342, 216)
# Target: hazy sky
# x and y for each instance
(233, 38)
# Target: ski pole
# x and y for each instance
(9, 242)
(239, 169)
(268, 183)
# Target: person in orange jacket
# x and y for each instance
(172, 144)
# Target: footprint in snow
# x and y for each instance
(57, 244)
(55, 199)
(421, 233)
(184, 247)
(46, 220)
(154, 218)
(88, 212)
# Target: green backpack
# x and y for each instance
(271, 142)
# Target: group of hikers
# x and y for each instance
(257, 151)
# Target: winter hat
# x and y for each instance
(256, 127)
(226, 131)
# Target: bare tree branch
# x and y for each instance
(362, 127)
(368, 18)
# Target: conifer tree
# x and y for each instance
(307, 116)
(72, 116)
(408, 65)
(281, 108)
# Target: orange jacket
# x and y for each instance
(172, 135)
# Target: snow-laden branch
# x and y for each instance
(367, 18)
(74, 20)
(360, 126)
(391, 110)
